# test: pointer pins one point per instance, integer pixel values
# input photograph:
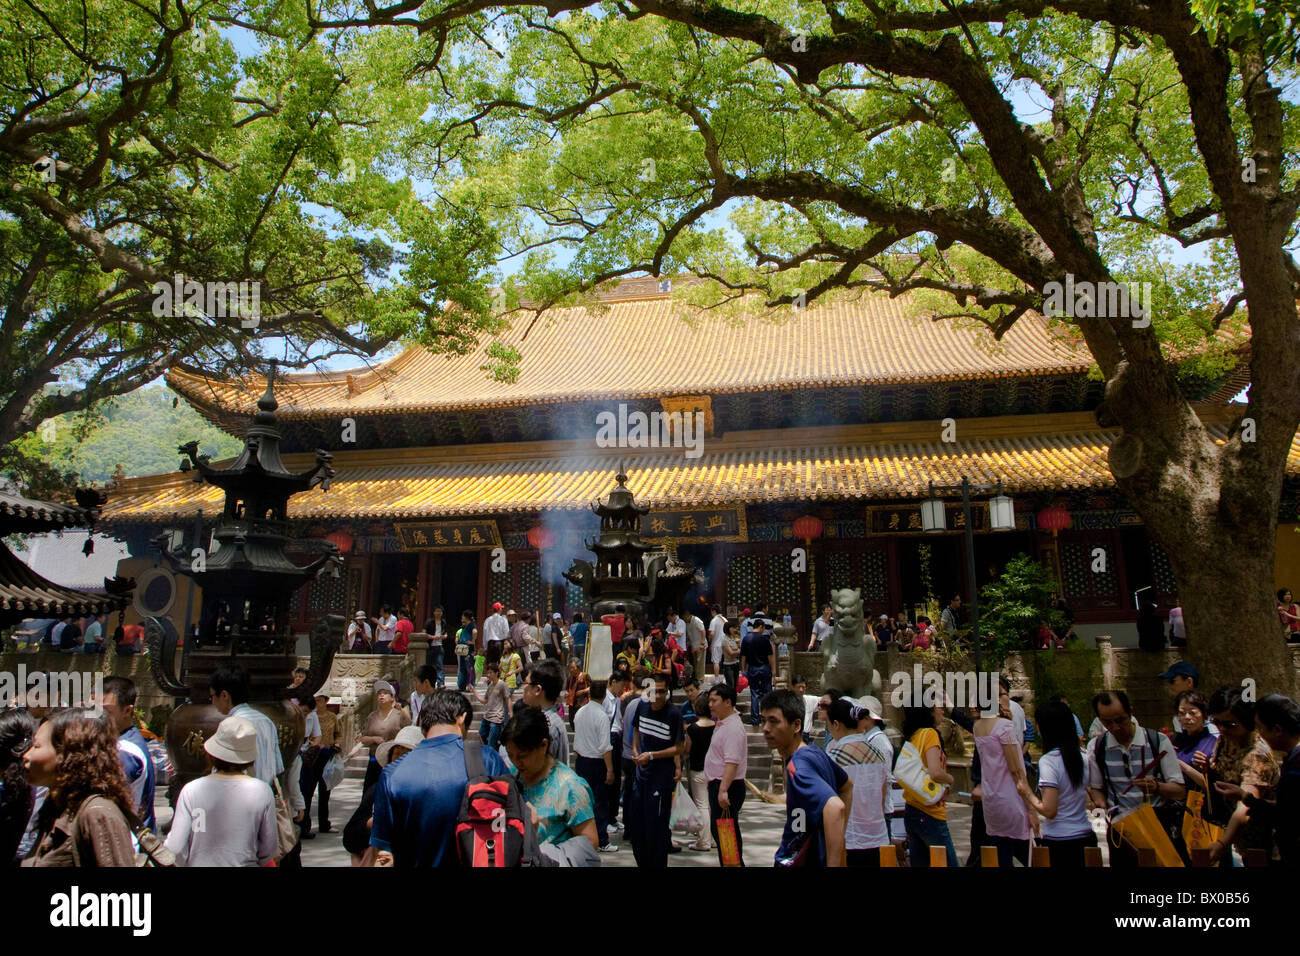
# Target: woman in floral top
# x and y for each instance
(563, 801)
(511, 665)
(1242, 764)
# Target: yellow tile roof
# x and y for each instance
(894, 460)
(641, 347)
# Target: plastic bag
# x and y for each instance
(728, 847)
(685, 815)
(332, 773)
(1141, 830)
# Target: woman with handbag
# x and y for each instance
(228, 817)
(85, 819)
(922, 771)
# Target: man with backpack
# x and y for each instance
(418, 800)
(1128, 765)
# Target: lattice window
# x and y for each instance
(354, 591)
(782, 583)
(743, 584)
(1161, 571)
(839, 571)
(499, 587)
(1075, 571)
(875, 587)
(530, 585)
(574, 599)
(1105, 588)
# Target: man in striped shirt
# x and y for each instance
(1128, 765)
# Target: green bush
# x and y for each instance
(1012, 607)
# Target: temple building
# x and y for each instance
(459, 490)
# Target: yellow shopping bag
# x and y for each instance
(1198, 832)
(1142, 830)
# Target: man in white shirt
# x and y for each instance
(675, 627)
(230, 691)
(821, 627)
(614, 689)
(385, 630)
(594, 760)
(695, 641)
(717, 631)
(496, 630)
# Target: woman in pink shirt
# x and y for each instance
(1008, 819)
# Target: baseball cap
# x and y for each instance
(497, 606)
(556, 616)
(1181, 669)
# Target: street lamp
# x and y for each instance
(1002, 517)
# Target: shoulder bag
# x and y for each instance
(286, 830)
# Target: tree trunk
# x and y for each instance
(1222, 556)
(1233, 634)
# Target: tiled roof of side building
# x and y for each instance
(640, 346)
(864, 462)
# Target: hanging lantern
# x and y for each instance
(808, 527)
(342, 540)
(540, 537)
(1002, 513)
(934, 517)
(1054, 519)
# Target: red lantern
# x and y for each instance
(540, 537)
(341, 540)
(808, 527)
(1054, 519)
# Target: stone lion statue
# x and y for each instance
(849, 651)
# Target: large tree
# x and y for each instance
(141, 140)
(971, 150)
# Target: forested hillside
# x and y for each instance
(139, 431)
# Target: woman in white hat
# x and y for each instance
(228, 817)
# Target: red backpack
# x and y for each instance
(493, 828)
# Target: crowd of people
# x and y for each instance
(659, 747)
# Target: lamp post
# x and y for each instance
(1002, 517)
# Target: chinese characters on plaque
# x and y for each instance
(695, 526)
(469, 535)
(906, 519)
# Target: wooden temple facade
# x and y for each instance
(845, 412)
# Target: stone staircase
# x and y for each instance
(760, 756)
